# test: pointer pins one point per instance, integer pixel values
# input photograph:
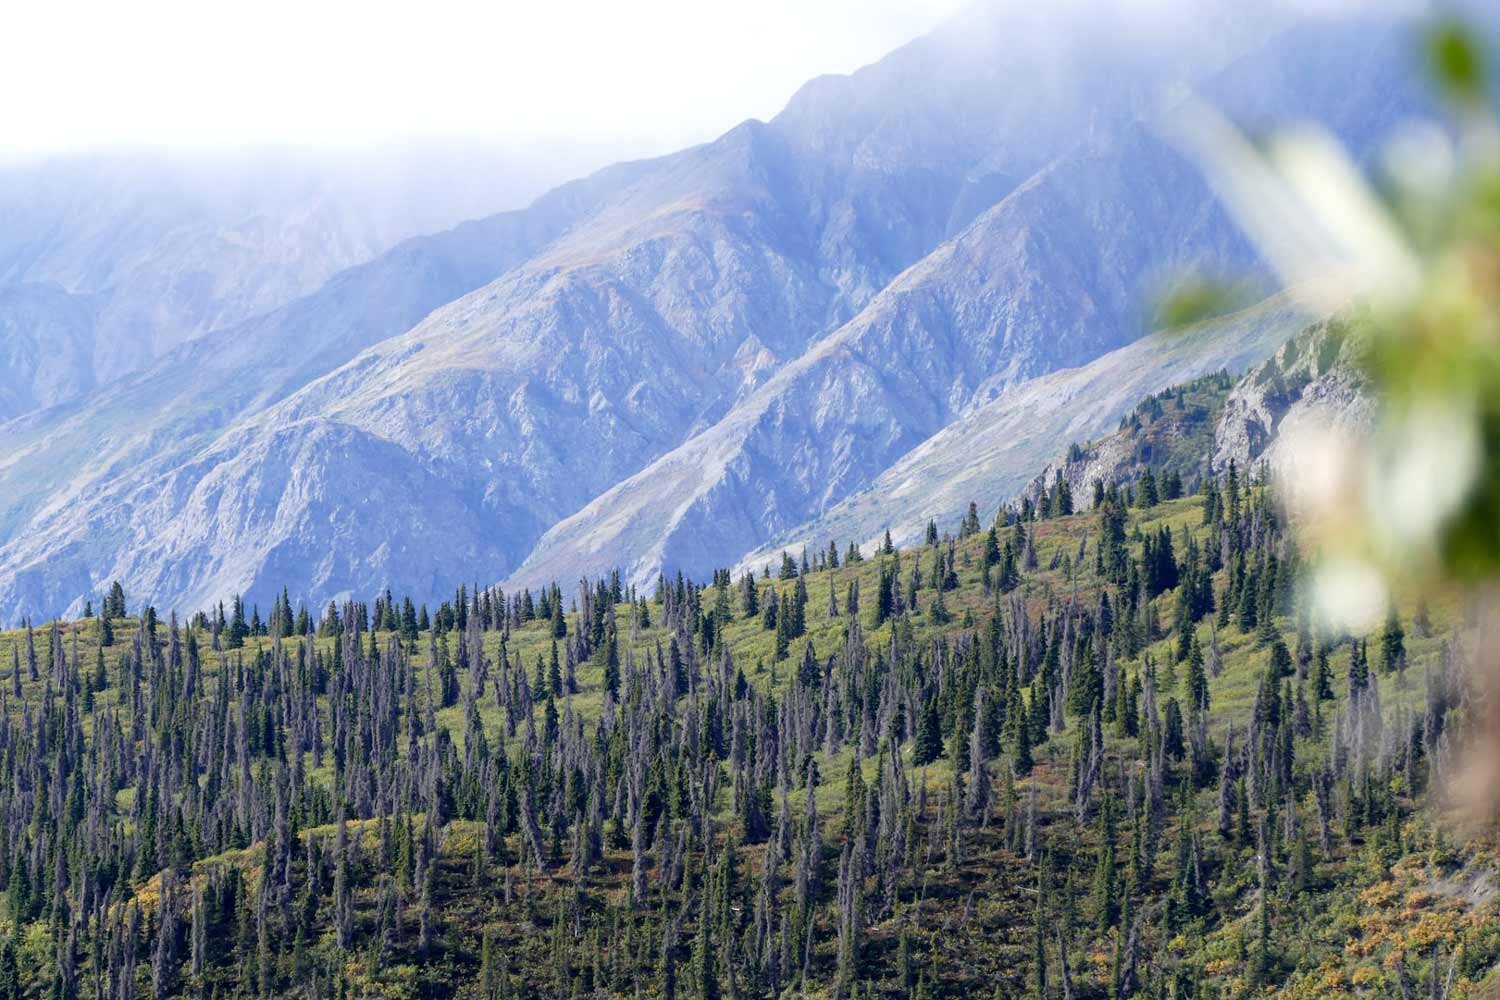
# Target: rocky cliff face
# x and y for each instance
(1169, 432)
(1314, 381)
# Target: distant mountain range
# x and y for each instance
(107, 262)
(907, 290)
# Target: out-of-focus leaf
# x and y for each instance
(1457, 62)
(1417, 263)
(1483, 216)
(1471, 544)
(1362, 248)
(1197, 301)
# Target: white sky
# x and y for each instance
(635, 77)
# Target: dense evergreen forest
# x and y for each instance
(1090, 747)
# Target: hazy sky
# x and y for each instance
(633, 77)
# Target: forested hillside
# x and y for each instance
(1059, 754)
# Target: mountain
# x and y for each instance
(796, 305)
(78, 475)
(47, 342)
(107, 262)
(1058, 272)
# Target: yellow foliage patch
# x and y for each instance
(1219, 967)
(1380, 894)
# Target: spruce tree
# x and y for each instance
(1023, 760)
(1322, 674)
(10, 971)
(928, 745)
(1197, 677)
(611, 666)
(705, 963)
(1148, 496)
(1106, 881)
(1392, 643)
(1039, 944)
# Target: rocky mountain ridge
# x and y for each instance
(1056, 274)
(1314, 383)
(992, 454)
(762, 325)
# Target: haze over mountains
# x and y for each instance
(109, 260)
(753, 335)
